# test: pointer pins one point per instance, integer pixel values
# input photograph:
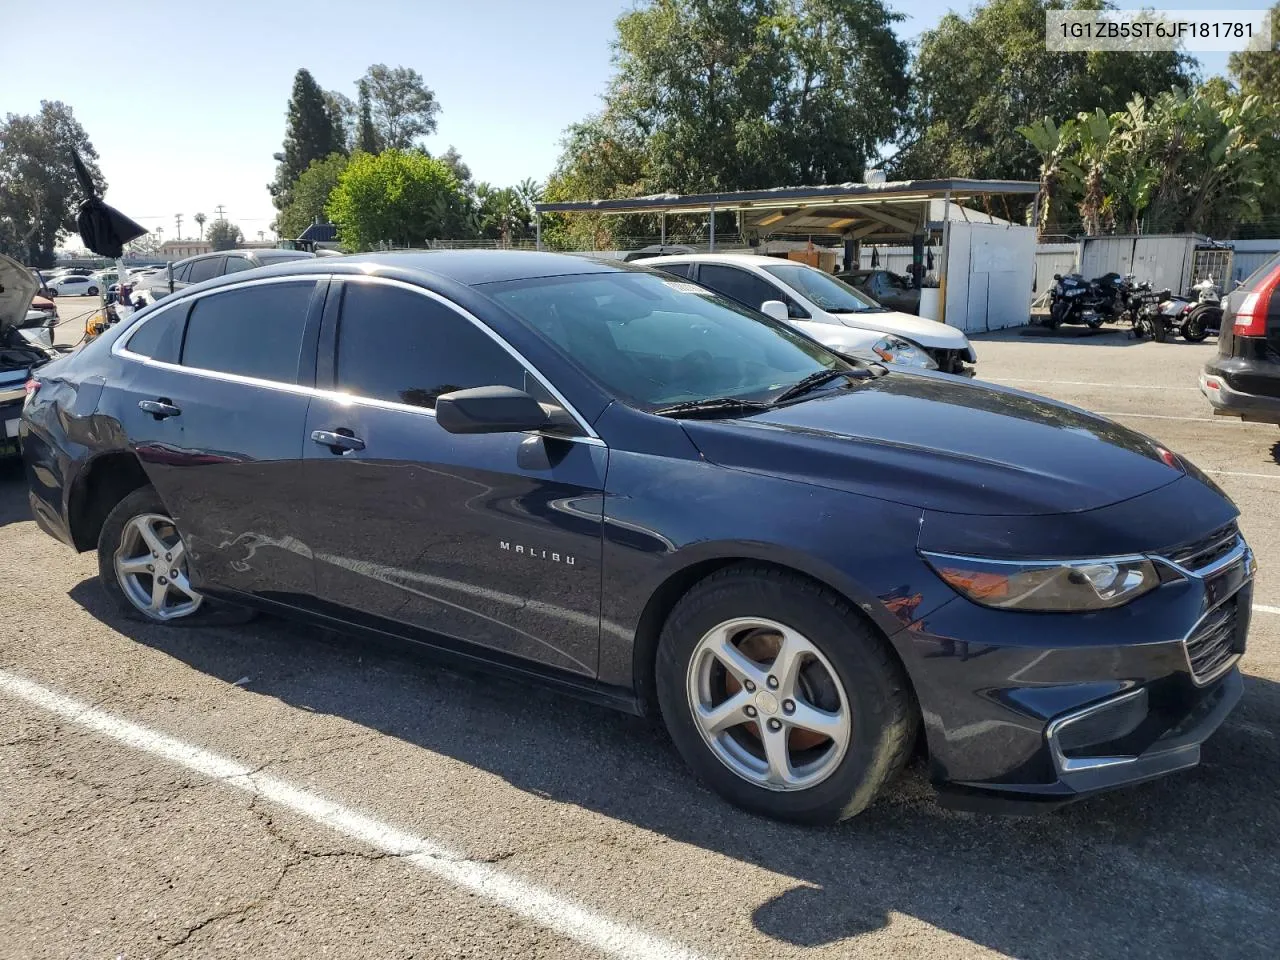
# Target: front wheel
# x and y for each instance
(781, 697)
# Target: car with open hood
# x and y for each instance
(651, 496)
(832, 312)
(26, 343)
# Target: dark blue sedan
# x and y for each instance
(658, 499)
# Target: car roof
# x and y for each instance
(743, 259)
(470, 268)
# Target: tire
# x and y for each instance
(1095, 323)
(121, 534)
(1195, 330)
(1159, 330)
(847, 670)
(91, 291)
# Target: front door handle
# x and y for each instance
(339, 441)
(160, 409)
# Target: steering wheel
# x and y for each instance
(692, 364)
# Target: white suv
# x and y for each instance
(832, 312)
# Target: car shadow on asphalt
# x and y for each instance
(1177, 867)
(1110, 336)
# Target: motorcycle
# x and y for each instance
(1090, 302)
(1145, 309)
(1195, 319)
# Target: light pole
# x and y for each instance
(178, 218)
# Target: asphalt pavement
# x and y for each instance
(276, 791)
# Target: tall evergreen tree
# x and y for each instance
(366, 133)
(309, 135)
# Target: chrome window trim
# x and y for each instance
(118, 349)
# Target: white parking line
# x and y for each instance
(519, 896)
(1087, 383)
(1232, 473)
(1263, 608)
(1162, 416)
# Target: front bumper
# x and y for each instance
(1044, 709)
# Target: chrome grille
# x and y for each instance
(1200, 553)
(1212, 648)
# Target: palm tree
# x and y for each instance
(200, 218)
(1058, 172)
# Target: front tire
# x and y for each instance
(781, 697)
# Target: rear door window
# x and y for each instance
(255, 331)
(204, 269)
(237, 264)
(676, 269)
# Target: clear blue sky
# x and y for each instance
(185, 102)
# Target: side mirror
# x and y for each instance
(776, 309)
(1057, 276)
(490, 410)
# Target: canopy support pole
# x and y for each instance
(537, 230)
(713, 228)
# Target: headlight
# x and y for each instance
(1047, 585)
(902, 352)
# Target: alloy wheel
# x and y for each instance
(151, 567)
(768, 703)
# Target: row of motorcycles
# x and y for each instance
(1152, 314)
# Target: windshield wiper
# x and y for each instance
(815, 379)
(711, 405)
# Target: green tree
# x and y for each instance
(200, 220)
(1258, 74)
(402, 107)
(1058, 172)
(1183, 160)
(366, 133)
(39, 192)
(310, 194)
(309, 135)
(978, 78)
(342, 114)
(393, 197)
(224, 235)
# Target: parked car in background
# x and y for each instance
(206, 266)
(1243, 380)
(886, 288)
(25, 344)
(832, 312)
(663, 501)
(74, 285)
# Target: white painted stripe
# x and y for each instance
(1087, 383)
(1162, 416)
(519, 896)
(1232, 473)
(1263, 608)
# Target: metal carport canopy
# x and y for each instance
(890, 210)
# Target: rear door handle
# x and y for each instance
(160, 409)
(339, 441)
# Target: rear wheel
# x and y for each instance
(142, 563)
(92, 291)
(1196, 329)
(781, 697)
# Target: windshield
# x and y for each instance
(656, 341)
(822, 289)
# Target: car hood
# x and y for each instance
(17, 287)
(927, 333)
(941, 443)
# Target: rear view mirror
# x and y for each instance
(774, 308)
(490, 410)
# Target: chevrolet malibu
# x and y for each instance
(664, 501)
